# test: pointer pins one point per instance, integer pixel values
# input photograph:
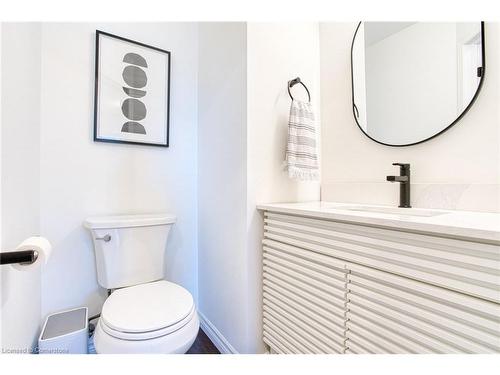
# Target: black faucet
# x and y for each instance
(404, 184)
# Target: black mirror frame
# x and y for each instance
(483, 71)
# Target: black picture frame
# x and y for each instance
(478, 90)
(100, 33)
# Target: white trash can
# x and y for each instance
(65, 332)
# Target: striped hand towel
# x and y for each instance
(301, 153)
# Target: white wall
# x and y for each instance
(20, 179)
(460, 169)
(243, 113)
(277, 52)
(222, 267)
(1, 178)
(80, 177)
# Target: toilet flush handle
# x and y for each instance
(106, 238)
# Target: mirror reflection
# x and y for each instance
(413, 80)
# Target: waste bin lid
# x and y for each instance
(65, 322)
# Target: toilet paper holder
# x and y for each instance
(21, 257)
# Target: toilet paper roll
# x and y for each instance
(41, 245)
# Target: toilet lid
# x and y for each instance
(147, 307)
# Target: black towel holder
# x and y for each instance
(293, 82)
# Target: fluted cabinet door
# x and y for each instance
(387, 313)
(303, 300)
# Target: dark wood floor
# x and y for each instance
(202, 345)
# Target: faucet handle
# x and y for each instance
(404, 165)
(404, 168)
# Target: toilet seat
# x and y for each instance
(147, 307)
(148, 334)
(155, 317)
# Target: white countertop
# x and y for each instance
(474, 225)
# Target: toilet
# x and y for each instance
(144, 313)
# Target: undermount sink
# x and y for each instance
(389, 210)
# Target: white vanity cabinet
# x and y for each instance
(339, 287)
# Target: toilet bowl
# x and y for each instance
(144, 314)
(157, 317)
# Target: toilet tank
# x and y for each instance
(129, 249)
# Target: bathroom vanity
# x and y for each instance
(346, 278)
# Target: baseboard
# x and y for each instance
(215, 336)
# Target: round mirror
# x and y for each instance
(411, 81)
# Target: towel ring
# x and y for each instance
(293, 82)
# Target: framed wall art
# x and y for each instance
(132, 92)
